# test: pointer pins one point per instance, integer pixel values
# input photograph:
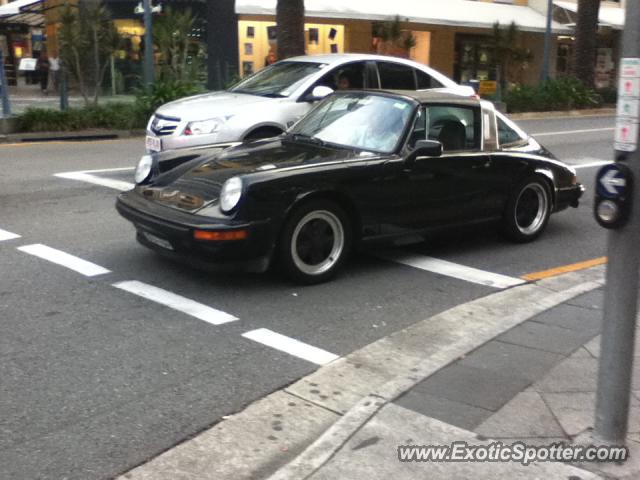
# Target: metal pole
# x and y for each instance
(148, 43)
(4, 89)
(621, 292)
(113, 75)
(544, 76)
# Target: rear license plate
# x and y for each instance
(153, 144)
(161, 242)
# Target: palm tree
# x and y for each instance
(290, 29)
(586, 38)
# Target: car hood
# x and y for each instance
(198, 183)
(211, 105)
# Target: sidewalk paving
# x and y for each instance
(535, 383)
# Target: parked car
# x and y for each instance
(361, 166)
(267, 103)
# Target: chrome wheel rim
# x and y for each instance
(317, 242)
(531, 208)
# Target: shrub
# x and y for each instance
(151, 97)
(558, 94)
(119, 116)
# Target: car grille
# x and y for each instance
(162, 126)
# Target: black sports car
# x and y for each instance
(360, 166)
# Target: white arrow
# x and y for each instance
(609, 181)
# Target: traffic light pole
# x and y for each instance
(621, 291)
(4, 89)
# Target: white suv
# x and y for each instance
(271, 100)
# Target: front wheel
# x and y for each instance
(527, 211)
(315, 242)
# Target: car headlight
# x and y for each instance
(204, 127)
(230, 194)
(144, 168)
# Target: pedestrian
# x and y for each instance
(271, 58)
(54, 69)
(42, 68)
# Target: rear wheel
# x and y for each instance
(315, 242)
(528, 210)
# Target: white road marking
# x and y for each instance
(64, 259)
(455, 270)
(177, 302)
(4, 235)
(571, 132)
(291, 346)
(84, 176)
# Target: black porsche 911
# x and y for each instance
(361, 166)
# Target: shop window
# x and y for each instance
(396, 76)
(314, 36)
(474, 59)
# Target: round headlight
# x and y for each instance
(143, 170)
(230, 194)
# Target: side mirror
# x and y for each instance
(427, 148)
(319, 92)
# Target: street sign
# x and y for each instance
(628, 112)
(612, 181)
(626, 137)
(488, 87)
(629, 108)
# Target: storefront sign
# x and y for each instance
(488, 87)
(28, 64)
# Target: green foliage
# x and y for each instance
(151, 97)
(181, 59)
(88, 38)
(118, 116)
(609, 95)
(559, 94)
(393, 36)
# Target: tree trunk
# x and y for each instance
(290, 28)
(586, 41)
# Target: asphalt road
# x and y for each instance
(95, 380)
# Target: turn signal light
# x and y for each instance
(220, 236)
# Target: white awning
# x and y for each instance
(22, 11)
(610, 16)
(458, 13)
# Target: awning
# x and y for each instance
(609, 16)
(22, 11)
(458, 13)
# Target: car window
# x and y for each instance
(345, 77)
(508, 135)
(278, 80)
(426, 81)
(395, 76)
(457, 128)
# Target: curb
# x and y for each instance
(84, 135)
(296, 430)
(591, 112)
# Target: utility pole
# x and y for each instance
(4, 89)
(544, 76)
(148, 43)
(618, 205)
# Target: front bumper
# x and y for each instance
(169, 232)
(569, 197)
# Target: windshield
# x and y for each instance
(363, 121)
(278, 80)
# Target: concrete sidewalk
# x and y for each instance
(519, 364)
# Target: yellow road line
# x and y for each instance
(552, 272)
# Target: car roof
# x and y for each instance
(427, 96)
(337, 58)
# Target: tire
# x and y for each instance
(304, 255)
(261, 133)
(528, 209)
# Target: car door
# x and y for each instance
(452, 188)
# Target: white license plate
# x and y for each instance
(153, 144)
(161, 242)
